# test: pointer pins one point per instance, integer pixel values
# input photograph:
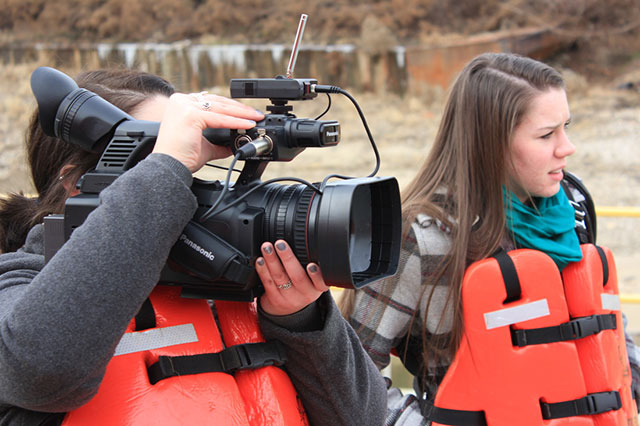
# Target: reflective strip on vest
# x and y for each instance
(521, 313)
(155, 338)
(610, 301)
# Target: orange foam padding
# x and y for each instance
(268, 393)
(127, 398)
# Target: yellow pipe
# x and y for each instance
(630, 298)
(618, 211)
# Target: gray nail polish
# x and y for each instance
(268, 249)
(281, 246)
(313, 268)
(260, 261)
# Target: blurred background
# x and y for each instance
(396, 57)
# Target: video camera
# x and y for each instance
(350, 227)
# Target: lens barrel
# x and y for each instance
(352, 230)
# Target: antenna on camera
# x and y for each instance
(296, 45)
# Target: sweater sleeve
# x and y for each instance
(336, 380)
(61, 322)
(384, 311)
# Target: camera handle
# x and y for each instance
(251, 172)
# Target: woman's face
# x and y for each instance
(540, 147)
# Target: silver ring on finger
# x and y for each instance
(284, 286)
(204, 104)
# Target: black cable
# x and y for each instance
(252, 190)
(224, 191)
(335, 89)
(327, 109)
(221, 167)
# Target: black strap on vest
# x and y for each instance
(447, 416)
(509, 275)
(575, 329)
(146, 316)
(594, 403)
(605, 265)
(238, 357)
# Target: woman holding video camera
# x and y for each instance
(60, 323)
(494, 182)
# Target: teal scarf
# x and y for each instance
(548, 227)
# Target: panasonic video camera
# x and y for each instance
(350, 226)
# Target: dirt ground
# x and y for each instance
(605, 127)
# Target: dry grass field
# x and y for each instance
(605, 128)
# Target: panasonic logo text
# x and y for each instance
(196, 247)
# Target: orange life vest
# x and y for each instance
(185, 328)
(539, 348)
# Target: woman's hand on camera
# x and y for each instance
(186, 116)
(288, 287)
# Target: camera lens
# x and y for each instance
(287, 211)
(351, 230)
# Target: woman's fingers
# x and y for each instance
(265, 277)
(186, 116)
(218, 111)
(227, 106)
(206, 96)
(316, 277)
(290, 263)
(288, 287)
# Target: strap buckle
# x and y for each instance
(593, 403)
(585, 326)
(588, 326)
(252, 355)
(602, 402)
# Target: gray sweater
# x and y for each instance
(61, 322)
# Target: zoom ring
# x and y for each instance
(301, 224)
(281, 213)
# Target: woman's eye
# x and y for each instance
(547, 136)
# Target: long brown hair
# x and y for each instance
(486, 103)
(47, 156)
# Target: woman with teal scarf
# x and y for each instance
(548, 225)
(491, 181)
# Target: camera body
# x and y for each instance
(350, 227)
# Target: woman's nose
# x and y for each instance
(565, 148)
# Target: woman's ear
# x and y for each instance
(69, 180)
